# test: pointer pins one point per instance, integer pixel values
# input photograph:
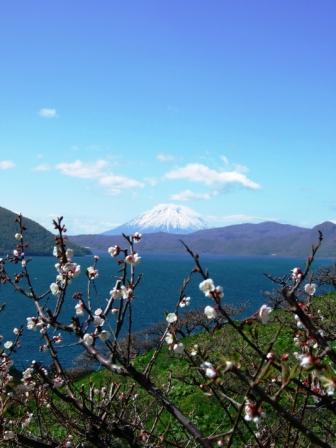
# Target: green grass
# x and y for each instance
(176, 377)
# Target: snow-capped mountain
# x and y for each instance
(168, 218)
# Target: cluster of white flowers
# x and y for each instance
(296, 274)
(36, 323)
(133, 258)
(28, 379)
(185, 301)
(209, 289)
(306, 360)
(66, 272)
(122, 292)
(98, 318)
(209, 369)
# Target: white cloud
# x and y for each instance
(164, 157)
(6, 164)
(188, 195)
(79, 224)
(151, 181)
(99, 171)
(42, 167)
(116, 183)
(46, 112)
(197, 172)
(236, 219)
(82, 169)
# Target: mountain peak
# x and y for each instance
(170, 218)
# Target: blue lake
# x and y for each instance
(241, 277)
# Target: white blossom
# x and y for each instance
(194, 350)
(92, 272)
(54, 288)
(113, 250)
(136, 237)
(296, 273)
(79, 308)
(104, 335)
(31, 323)
(209, 369)
(133, 258)
(18, 236)
(8, 344)
(88, 339)
(69, 254)
(171, 318)
(178, 348)
(218, 292)
(98, 321)
(185, 301)
(169, 338)
(56, 251)
(58, 381)
(121, 293)
(299, 324)
(206, 286)
(310, 288)
(210, 312)
(264, 313)
(306, 360)
(252, 412)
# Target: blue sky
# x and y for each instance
(109, 108)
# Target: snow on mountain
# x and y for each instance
(168, 218)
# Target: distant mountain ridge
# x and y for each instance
(40, 240)
(263, 239)
(168, 218)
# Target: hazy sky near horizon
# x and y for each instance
(109, 108)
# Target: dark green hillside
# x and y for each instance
(41, 241)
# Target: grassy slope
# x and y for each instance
(218, 347)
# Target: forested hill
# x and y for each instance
(40, 240)
(267, 238)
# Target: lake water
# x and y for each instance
(241, 277)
